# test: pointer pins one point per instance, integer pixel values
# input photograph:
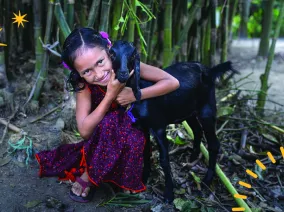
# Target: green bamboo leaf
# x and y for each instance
(179, 141)
(188, 129)
(225, 111)
(170, 138)
(190, 206)
(180, 191)
(196, 178)
(270, 138)
(121, 20)
(178, 202)
(32, 204)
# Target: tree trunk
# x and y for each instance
(264, 77)
(245, 6)
(266, 28)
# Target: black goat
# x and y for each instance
(194, 101)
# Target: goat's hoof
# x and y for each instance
(169, 198)
(207, 180)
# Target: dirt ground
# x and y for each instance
(22, 189)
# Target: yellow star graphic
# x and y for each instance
(2, 44)
(19, 19)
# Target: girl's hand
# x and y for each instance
(113, 86)
(126, 96)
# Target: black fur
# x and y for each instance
(194, 101)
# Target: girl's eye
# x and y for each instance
(100, 62)
(86, 72)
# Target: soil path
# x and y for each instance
(243, 53)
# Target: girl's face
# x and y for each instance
(94, 65)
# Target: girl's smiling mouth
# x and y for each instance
(105, 78)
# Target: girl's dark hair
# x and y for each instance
(75, 44)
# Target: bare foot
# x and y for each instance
(78, 189)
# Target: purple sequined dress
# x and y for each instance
(114, 153)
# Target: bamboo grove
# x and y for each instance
(164, 31)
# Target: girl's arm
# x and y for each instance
(164, 83)
(87, 120)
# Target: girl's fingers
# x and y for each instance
(112, 75)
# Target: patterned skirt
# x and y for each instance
(114, 153)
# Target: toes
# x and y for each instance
(86, 192)
(76, 189)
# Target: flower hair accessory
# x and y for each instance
(105, 36)
(65, 65)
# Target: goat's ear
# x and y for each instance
(112, 54)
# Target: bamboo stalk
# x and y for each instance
(7, 26)
(82, 12)
(59, 15)
(266, 28)
(37, 34)
(3, 79)
(104, 20)
(213, 39)
(264, 77)
(206, 48)
(43, 72)
(191, 16)
(167, 56)
(146, 28)
(221, 174)
(232, 11)
(225, 17)
(154, 38)
(70, 13)
(195, 41)
(131, 21)
(116, 13)
(94, 13)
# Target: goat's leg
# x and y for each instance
(147, 158)
(160, 136)
(197, 131)
(208, 125)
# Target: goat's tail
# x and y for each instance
(220, 69)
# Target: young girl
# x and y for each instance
(112, 150)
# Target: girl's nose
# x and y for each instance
(98, 73)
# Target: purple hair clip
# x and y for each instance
(105, 36)
(65, 65)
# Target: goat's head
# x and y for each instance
(122, 54)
